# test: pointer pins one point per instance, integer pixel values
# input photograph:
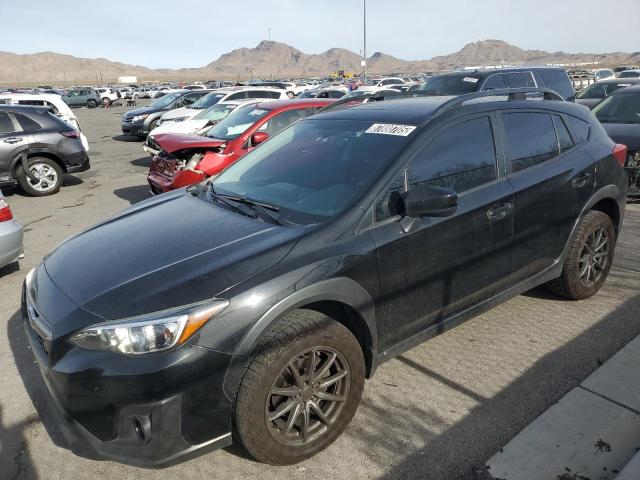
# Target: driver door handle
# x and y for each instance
(13, 140)
(500, 212)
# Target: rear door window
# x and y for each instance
(461, 158)
(237, 96)
(530, 139)
(564, 138)
(258, 94)
(558, 81)
(6, 125)
(495, 82)
(520, 79)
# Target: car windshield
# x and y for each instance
(165, 101)
(356, 93)
(619, 108)
(216, 112)
(451, 84)
(316, 168)
(630, 74)
(237, 123)
(207, 101)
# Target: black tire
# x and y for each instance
(586, 266)
(106, 102)
(296, 339)
(290, 94)
(52, 182)
(136, 97)
(92, 104)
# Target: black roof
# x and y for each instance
(631, 89)
(619, 80)
(415, 111)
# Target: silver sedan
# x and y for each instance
(11, 233)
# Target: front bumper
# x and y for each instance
(164, 176)
(154, 411)
(134, 129)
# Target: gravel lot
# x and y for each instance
(437, 412)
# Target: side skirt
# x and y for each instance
(554, 271)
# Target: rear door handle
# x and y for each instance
(581, 180)
(500, 212)
(13, 140)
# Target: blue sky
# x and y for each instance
(187, 33)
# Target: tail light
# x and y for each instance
(70, 134)
(620, 153)
(5, 211)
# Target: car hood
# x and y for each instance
(188, 127)
(625, 133)
(169, 251)
(181, 112)
(172, 142)
(142, 111)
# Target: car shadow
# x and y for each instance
(71, 180)
(134, 194)
(9, 269)
(142, 161)
(126, 138)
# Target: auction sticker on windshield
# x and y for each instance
(470, 80)
(390, 129)
(257, 112)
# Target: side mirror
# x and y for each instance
(429, 201)
(259, 137)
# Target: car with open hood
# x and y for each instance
(187, 159)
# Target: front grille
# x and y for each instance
(39, 326)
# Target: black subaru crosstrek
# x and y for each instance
(252, 308)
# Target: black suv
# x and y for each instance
(252, 308)
(467, 81)
(37, 149)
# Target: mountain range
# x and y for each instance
(270, 59)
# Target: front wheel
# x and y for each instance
(589, 258)
(106, 102)
(300, 389)
(92, 104)
(48, 177)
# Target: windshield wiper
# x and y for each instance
(229, 201)
(266, 209)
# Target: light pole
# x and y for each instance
(364, 50)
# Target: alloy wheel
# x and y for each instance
(46, 175)
(594, 257)
(307, 396)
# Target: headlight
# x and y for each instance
(139, 335)
(137, 118)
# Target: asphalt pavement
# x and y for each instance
(439, 411)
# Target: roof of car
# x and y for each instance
(632, 89)
(24, 108)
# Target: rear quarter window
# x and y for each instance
(27, 124)
(530, 139)
(580, 129)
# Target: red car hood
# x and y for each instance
(172, 142)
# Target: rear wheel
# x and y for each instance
(300, 389)
(290, 94)
(48, 177)
(106, 102)
(92, 104)
(589, 258)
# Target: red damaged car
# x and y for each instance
(188, 159)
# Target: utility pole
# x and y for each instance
(364, 16)
(269, 28)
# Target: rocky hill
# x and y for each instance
(271, 59)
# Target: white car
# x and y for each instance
(603, 74)
(194, 87)
(222, 95)
(373, 84)
(159, 91)
(107, 95)
(328, 92)
(197, 125)
(55, 103)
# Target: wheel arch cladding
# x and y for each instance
(43, 154)
(610, 207)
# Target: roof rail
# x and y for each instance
(512, 94)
